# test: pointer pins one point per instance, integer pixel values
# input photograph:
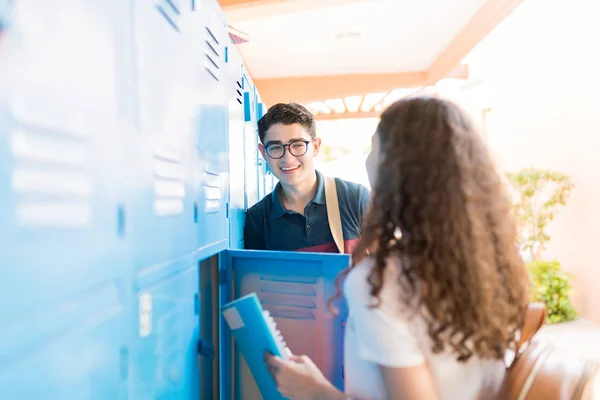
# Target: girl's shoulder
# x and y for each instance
(357, 286)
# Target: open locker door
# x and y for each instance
(294, 287)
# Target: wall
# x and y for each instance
(541, 69)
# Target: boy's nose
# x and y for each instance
(288, 157)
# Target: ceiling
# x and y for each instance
(370, 36)
(312, 50)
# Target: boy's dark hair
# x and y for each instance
(287, 114)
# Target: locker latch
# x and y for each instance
(205, 349)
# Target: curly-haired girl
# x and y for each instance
(437, 287)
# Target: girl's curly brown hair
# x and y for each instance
(438, 187)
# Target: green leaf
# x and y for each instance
(552, 286)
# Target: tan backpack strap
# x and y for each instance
(333, 213)
(535, 315)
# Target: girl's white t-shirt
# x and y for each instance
(390, 336)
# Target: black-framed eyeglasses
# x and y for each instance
(297, 149)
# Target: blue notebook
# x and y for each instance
(255, 331)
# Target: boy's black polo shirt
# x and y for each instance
(269, 226)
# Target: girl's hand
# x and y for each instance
(300, 379)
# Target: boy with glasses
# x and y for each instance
(294, 216)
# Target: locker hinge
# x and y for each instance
(226, 54)
(206, 349)
(222, 276)
(226, 210)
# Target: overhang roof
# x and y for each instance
(313, 50)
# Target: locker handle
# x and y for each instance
(206, 349)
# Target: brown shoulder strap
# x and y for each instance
(333, 213)
(535, 315)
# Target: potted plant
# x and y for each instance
(537, 196)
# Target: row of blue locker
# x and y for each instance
(128, 156)
(127, 119)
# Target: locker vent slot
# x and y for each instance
(212, 50)
(291, 297)
(291, 314)
(50, 177)
(212, 192)
(170, 12)
(169, 188)
(239, 93)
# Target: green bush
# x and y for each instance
(551, 285)
(538, 195)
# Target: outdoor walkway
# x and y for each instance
(580, 336)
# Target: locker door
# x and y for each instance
(262, 164)
(64, 271)
(161, 154)
(236, 148)
(212, 133)
(163, 356)
(294, 288)
(252, 157)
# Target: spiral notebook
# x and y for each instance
(255, 331)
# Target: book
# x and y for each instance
(255, 331)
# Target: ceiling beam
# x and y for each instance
(233, 4)
(307, 89)
(347, 115)
(481, 24)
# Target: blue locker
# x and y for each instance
(262, 164)
(250, 99)
(269, 178)
(164, 360)
(163, 186)
(164, 200)
(264, 173)
(294, 287)
(252, 158)
(211, 132)
(64, 274)
(260, 107)
(253, 161)
(236, 147)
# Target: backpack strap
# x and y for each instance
(535, 315)
(333, 213)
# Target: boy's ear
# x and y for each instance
(261, 148)
(316, 146)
